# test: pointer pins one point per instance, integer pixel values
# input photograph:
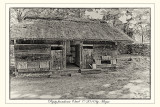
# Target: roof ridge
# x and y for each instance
(66, 19)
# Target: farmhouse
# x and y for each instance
(44, 44)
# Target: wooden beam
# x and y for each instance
(64, 55)
(81, 49)
(14, 41)
(50, 59)
(15, 61)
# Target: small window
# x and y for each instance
(56, 48)
(87, 47)
(106, 62)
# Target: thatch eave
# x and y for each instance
(64, 30)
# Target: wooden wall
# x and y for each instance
(87, 58)
(36, 57)
(56, 59)
(12, 56)
(99, 50)
(104, 50)
(32, 56)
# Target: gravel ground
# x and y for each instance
(131, 80)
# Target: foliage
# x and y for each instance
(137, 21)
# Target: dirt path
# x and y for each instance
(131, 80)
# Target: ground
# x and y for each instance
(131, 80)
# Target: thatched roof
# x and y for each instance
(67, 30)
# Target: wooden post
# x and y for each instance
(50, 59)
(64, 55)
(116, 53)
(15, 65)
(81, 49)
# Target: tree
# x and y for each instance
(127, 25)
(141, 23)
(111, 15)
(22, 13)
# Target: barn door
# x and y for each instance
(87, 58)
(56, 59)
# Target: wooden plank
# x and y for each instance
(87, 58)
(15, 58)
(64, 55)
(33, 69)
(33, 65)
(81, 57)
(113, 61)
(22, 70)
(12, 56)
(87, 44)
(90, 71)
(106, 57)
(98, 61)
(56, 61)
(32, 57)
(21, 65)
(52, 60)
(44, 64)
(32, 48)
(57, 45)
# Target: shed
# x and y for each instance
(43, 44)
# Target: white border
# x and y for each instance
(84, 5)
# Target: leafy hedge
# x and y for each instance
(139, 49)
(135, 49)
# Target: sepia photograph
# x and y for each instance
(79, 53)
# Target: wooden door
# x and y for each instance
(87, 58)
(56, 59)
(77, 56)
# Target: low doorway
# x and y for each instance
(72, 55)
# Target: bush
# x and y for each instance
(139, 49)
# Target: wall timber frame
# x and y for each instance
(107, 50)
(64, 54)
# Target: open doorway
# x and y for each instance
(72, 55)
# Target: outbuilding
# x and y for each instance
(46, 44)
